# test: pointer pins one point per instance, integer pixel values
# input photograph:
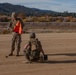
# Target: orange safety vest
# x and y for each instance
(18, 27)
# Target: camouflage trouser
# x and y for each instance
(32, 55)
(16, 40)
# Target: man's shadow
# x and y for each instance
(59, 61)
(66, 54)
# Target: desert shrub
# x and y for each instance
(5, 31)
(22, 15)
(4, 18)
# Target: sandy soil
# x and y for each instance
(61, 50)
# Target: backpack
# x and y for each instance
(35, 48)
(35, 44)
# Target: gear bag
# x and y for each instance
(35, 48)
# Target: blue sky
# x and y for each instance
(55, 5)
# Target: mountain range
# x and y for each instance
(7, 8)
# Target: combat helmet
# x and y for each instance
(32, 35)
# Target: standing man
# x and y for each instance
(16, 25)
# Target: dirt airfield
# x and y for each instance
(60, 48)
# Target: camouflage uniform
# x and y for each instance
(32, 52)
(16, 36)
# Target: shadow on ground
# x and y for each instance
(67, 54)
(61, 61)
